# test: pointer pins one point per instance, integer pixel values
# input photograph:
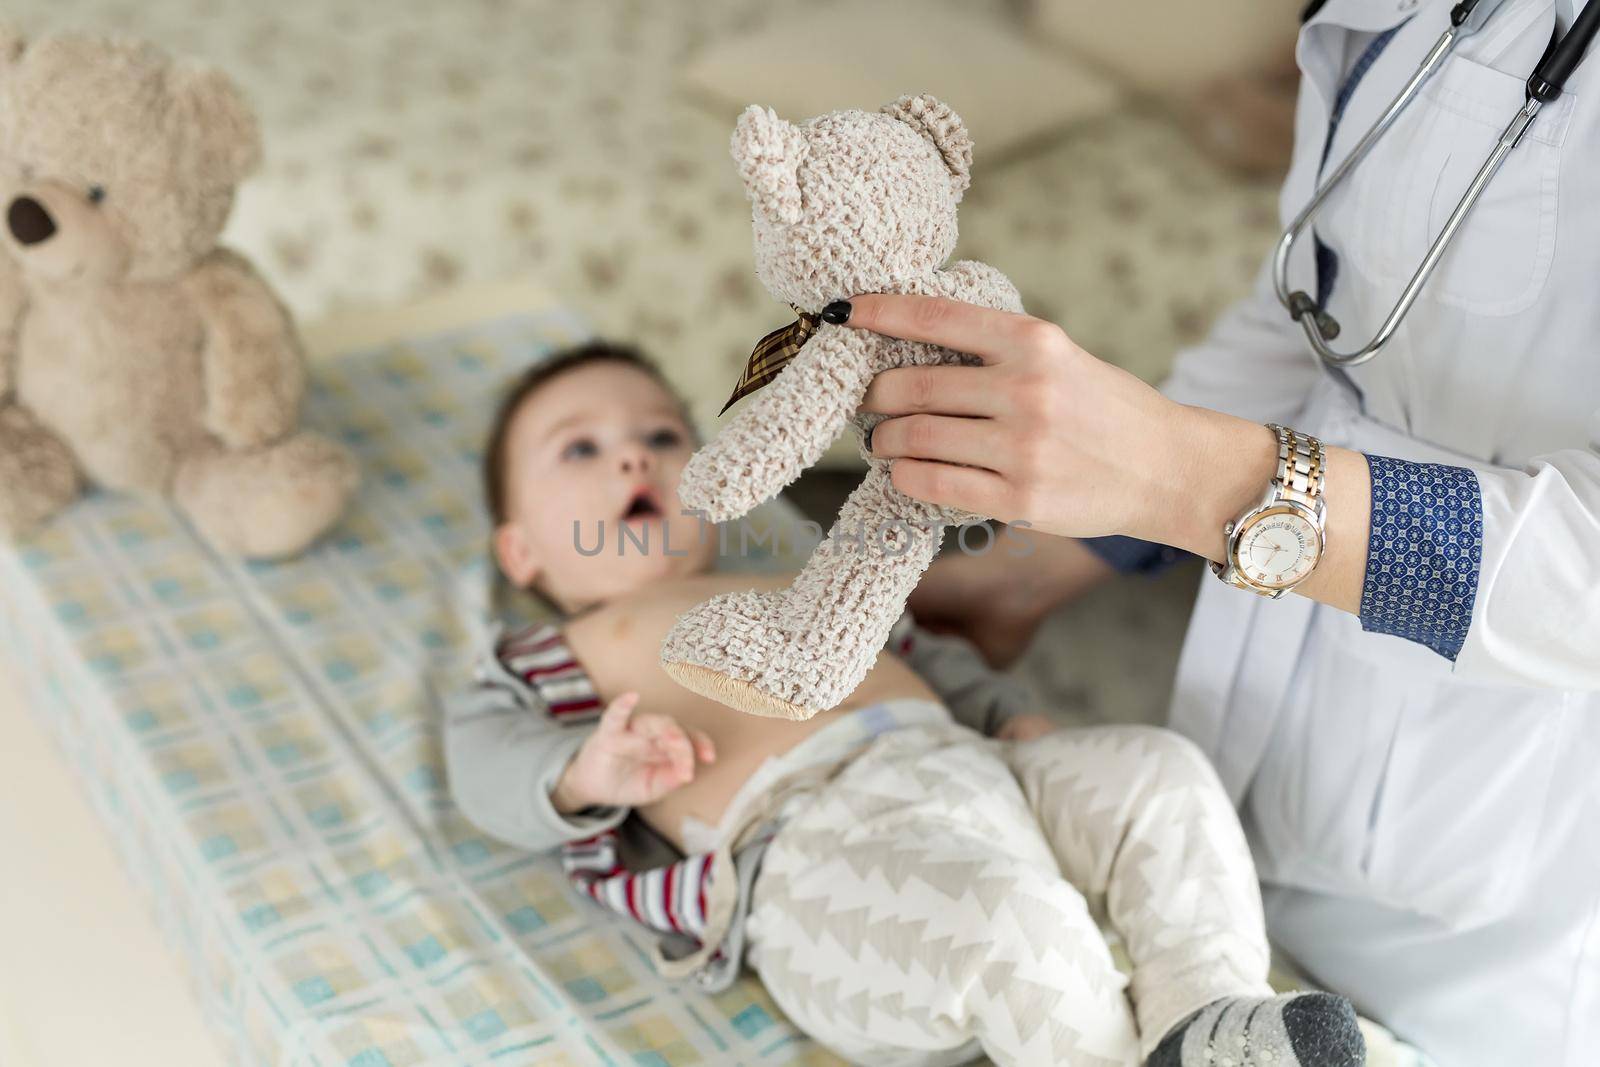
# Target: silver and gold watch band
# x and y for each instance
(1300, 466)
(1297, 486)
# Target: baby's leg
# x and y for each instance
(1139, 822)
(910, 912)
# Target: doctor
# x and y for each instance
(1413, 736)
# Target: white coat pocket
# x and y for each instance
(1462, 804)
(1390, 781)
(1499, 260)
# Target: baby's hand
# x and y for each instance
(630, 760)
(1026, 728)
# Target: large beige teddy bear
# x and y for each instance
(136, 354)
(852, 202)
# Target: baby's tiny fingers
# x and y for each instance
(681, 751)
(704, 747)
(615, 718)
(667, 739)
(661, 780)
(657, 727)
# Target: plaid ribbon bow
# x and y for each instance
(773, 353)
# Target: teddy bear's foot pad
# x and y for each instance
(270, 502)
(741, 696)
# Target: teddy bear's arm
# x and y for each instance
(783, 429)
(253, 363)
(979, 283)
(13, 302)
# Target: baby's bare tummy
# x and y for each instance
(619, 646)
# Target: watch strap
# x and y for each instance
(1298, 478)
(1300, 467)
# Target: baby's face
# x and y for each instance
(593, 460)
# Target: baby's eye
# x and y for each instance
(582, 448)
(666, 439)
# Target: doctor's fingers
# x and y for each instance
(994, 336)
(943, 389)
(968, 488)
(942, 438)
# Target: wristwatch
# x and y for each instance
(1277, 543)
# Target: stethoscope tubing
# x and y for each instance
(1543, 85)
(1320, 327)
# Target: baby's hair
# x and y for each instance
(540, 375)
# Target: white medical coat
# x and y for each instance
(1428, 832)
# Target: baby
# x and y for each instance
(916, 874)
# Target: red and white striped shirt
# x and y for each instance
(669, 899)
(539, 656)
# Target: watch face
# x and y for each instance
(1278, 548)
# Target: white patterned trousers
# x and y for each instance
(939, 898)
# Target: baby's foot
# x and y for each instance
(1293, 1030)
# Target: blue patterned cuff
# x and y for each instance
(1129, 555)
(1424, 553)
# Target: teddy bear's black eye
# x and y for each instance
(97, 193)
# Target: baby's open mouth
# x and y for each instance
(642, 506)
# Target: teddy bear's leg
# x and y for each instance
(38, 476)
(795, 652)
(266, 503)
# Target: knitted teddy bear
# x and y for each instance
(851, 202)
(136, 354)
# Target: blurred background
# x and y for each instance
(1126, 169)
(414, 146)
(1127, 161)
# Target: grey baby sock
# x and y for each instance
(1293, 1030)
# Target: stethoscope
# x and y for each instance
(1544, 85)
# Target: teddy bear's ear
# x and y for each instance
(939, 123)
(224, 129)
(769, 152)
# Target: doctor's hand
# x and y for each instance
(1045, 432)
(1042, 431)
(630, 760)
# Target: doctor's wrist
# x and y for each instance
(1222, 464)
(1225, 464)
